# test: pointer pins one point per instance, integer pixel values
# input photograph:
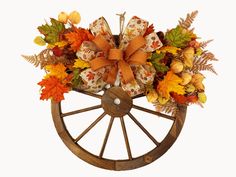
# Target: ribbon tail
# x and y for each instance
(126, 71)
(111, 76)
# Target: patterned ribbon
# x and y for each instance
(119, 59)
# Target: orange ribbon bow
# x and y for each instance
(119, 59)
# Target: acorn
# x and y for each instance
(186, 77)
(188, 55)
(176, 66)
(197, 81)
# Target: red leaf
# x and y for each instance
(149, 30)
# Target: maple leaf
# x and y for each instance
(149, 30)
(156, 62)
(179, 37)
(81, 64)
(57, 70)
(170, 83)
(52, 32)
(52, 88)
(77, 36)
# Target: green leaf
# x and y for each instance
(156, 62)
(52, 32)
(178, 37)
(76, 80)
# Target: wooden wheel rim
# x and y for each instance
(126, 164)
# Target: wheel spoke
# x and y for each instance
(88, 93)
(153, 112)
(126, 138)
(81, 110)
(143, 129)
(90, 127)
(138, 96)
(106, 137)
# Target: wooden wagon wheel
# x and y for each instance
(116, 103)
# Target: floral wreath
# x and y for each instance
(166, 67)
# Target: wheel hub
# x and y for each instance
(116, 102)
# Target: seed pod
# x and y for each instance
(186, 78)
(202, 97)
(188, 55)
(63, 17)
(189, 88)
(197, 81)
(74, 17)
(176, 66)
(152, 96)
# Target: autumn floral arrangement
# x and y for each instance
(165, 67)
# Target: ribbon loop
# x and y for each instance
(101, 43)
(134, 45)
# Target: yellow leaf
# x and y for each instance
(39, 41)
(59, 44)
(170, 83)
(152, 95)
(170, 49)
(58, 70)
(81, 64)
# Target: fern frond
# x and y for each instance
(205, 43)
(33, 59)
(201, 64)
(169, 108)
(208, 56)
(186, 23)
(46, 57)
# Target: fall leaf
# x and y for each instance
(170, 83)
(52, 88)
(181, 99)
(170, 49)
(81, 64)
(178, 37)
(77, 36)
(52, 32)
(39, 41)
(57, 70)
(156, 62)
(149, 30)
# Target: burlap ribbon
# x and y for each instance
(119, 59)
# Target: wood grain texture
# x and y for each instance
(131, 162)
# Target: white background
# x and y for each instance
(29, 144)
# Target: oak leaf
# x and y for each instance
(170, 83)
(52, 88)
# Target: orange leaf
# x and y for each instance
(181, 99)
(170, 83)
(77, 36)
(52, 88)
